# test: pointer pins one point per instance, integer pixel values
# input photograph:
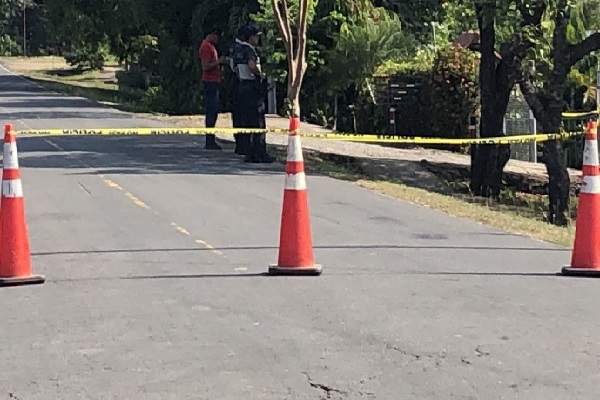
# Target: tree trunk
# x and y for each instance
(558, 177)
(295, 109)
(559, 184)
(495, 83)
(490, 159)
(486, 177)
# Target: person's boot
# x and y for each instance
(211, 143)
(252, 155)
(238, 147)
(244, 144)
(267, 159)
(261, 147)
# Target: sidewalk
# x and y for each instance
(407, 165)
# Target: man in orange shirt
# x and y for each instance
(211, 80)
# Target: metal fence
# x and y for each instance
(519, 120)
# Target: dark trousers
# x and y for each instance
(242, 141)
(252, 110)
(211, 107)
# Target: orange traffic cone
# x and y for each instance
(295, 242)
(15, 258)
(585, 260)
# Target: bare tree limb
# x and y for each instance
(280, 22)
(295, 47)
(301, 50)
(288, 28)
(290, 48)
(583, 48)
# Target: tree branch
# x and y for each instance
(288, 28)
(583, 48)
(530, 17)
(532, 99)
(561, 60)
(281, 23)
(301, 50)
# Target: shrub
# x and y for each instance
(154, 99)
(180, 78)
(448, 96)
(87, 55)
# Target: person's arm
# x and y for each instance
(254, 68)
(252, 63)
(208, 61)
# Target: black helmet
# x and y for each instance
(250, 30)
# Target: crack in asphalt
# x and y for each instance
(327, 389)
(439, 358)
(84, 188)
(481, 353)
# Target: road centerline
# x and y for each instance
(140, 203)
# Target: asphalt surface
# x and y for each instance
(154, 251)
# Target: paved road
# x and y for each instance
(154, 250)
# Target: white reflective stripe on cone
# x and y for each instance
(295, 181)
(12, 188)
(590, 184)
(294, 149)
(10, 156)
(590, 153)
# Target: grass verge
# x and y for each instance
(516, 211)
(521, 219)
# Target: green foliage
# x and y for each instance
(84, 54)
(364, 43)
(155, 99)
(15, 16)
(581, 80)
(179, 77)
(458, 17)
(449, 94)
(418, 16)
(9, 46)
(272, 50)
(86, 42)
(349, 42)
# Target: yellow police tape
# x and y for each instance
(430, 140)
(577, 115)
(146, 131)
(345, 137)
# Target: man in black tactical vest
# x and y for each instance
(242, 141)
(251, 102)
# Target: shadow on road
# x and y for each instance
(136, 155)
(322, 247)
(59, 103)
(329, 272)
(195, 276)
(485, 273)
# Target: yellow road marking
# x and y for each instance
(211, 248)
(110, 183)
(180, 229)
(140, 203)
(203, 243)
(137, 201)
